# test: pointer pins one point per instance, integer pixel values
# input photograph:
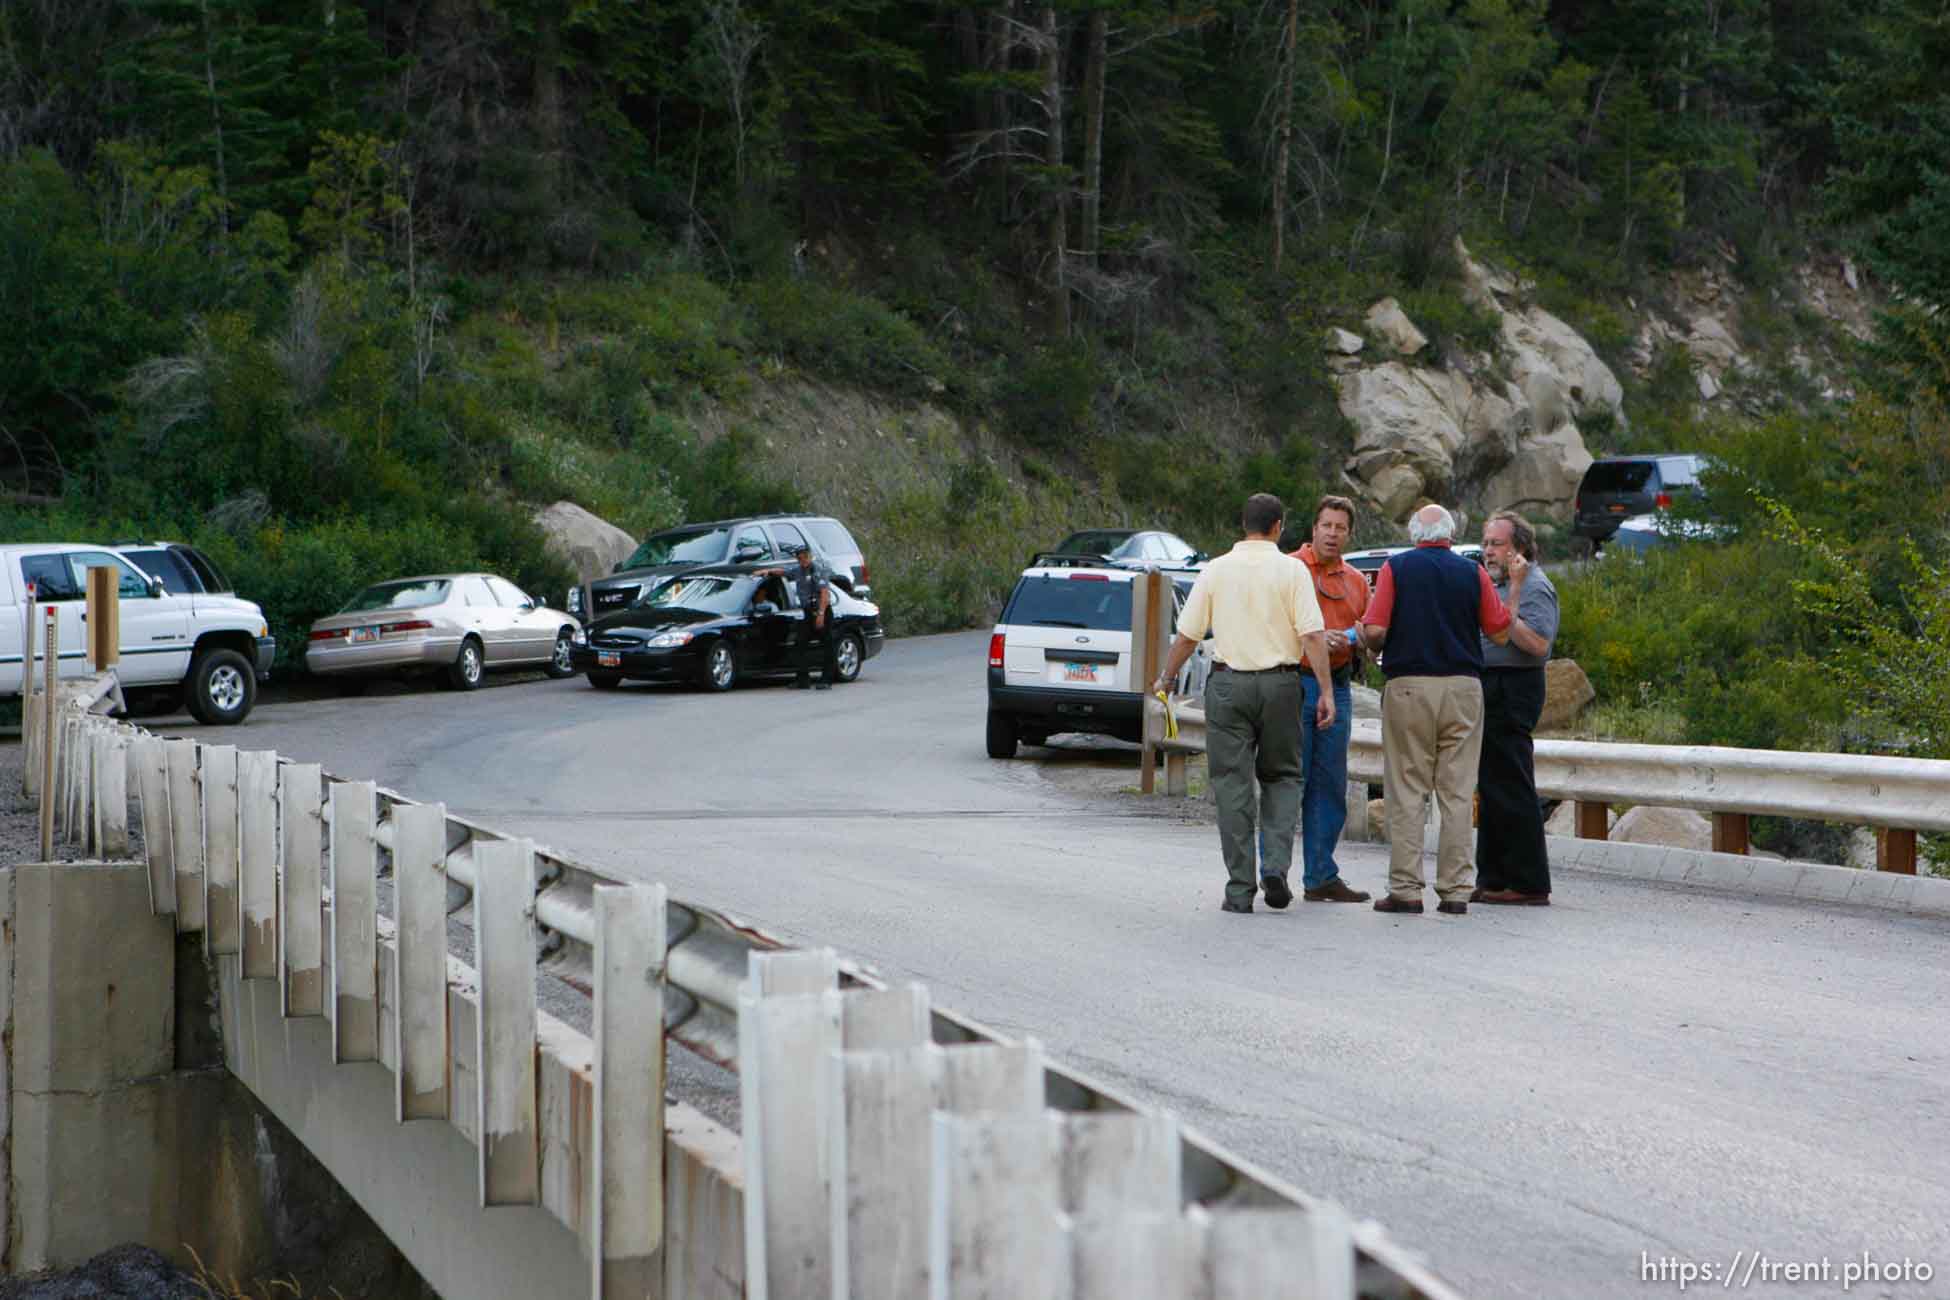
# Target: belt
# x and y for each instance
(1254, 672)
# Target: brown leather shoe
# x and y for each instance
(1389, 903)
(1476, 895)
(1452, 907)
(1510, 897)
(1337, 891)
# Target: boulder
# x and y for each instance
(1542, 476)
(1560, 374)
(587, 543)
(1387, 319)
(1367, 703)
(1861, 849)
(1407, 432)
(1345, 342)
(1712, 346)
(1484, 287)
(1564, 820)
(1567, 691)
(1377, 821)
(1681, 828)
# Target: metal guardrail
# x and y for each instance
(1899, 796)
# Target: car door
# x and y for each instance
(54, 584)
(751, 546)
(485, 617)
(531, 633)
(769, 643)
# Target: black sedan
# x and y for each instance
(715, 626)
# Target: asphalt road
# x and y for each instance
(1538, 1099)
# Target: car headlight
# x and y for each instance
(574, 601)
(578, 637)
(669, 640)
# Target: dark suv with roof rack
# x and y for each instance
(1618, 488)
(759, 540)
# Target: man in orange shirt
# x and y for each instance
(1343, 596)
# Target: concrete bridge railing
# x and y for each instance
(1896, 796)
(889, 1148)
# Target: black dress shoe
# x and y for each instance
(1389, 903)
(1230, 906)
(1278, 892)
(1452, 907)
(1476, 894)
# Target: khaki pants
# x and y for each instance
(1432, 741)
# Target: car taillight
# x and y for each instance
(1663, 501)
(1577, 503)
(995, 650)
(411, 625)
(866, 574)
(328, 634)
(1089, 577)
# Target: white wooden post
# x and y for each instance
(785, 1115)
(152, 783)
(223, 918)
(883, 1171)
(185, 833)
(1281, 1255)
(420, 959)
(257, 867)
(1139, 1257)
(71, 769)
(794, 970)
(996, 1231)
(504, 938)
(884, 1019)
(301, 923)
(1118, 1164)
(355, 923)
(112, 803)
(1000, 1078)
(627, 1181)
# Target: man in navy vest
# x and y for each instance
(1429, 607)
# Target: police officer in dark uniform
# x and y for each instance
(813, 642)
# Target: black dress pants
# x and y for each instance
(813, 651)
(1510, 851)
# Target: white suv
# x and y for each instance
(1060, 658)
(210, 645)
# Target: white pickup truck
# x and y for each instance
(209, 646)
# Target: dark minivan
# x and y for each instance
(1619, 487)
(766, 539)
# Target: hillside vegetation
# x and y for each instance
(345, 288)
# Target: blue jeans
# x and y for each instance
(1323, 799)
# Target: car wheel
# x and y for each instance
(222, 688)
(720, 667)
(849, 655)
(558, 662)
(467, 669)
(350, 686)
(1002, 736)
(605, 681)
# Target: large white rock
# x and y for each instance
(588, 543)
(1681, 828)
(1712, 346)
(1567, 693)
(1344, 342)
(1387, 319)
(1402, 417)
(1542, 478)
(1560, 374)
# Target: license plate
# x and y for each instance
(608, 659)
(1080, 672)
(1617, 510)
(363, 634)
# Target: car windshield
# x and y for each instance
(1081, 602)
(711, 594)
(415, 594)
(680, 546)
(1617, 476)
(1099, 541)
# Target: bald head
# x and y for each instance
(1431, 524)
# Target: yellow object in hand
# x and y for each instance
(1171, 719)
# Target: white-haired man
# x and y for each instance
(1429, 607)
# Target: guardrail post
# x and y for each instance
(883, 1170)
(185, 833)
(1594, 820)
(152, 783)
(223, 919)
(627, 1180)
(784, 1037)
(1155, 1256)
(355, 923)
(884, 1019)
(1281, 1255)
(1147, 610)
(1896, 851)
(999, 1078)
(112, 800)
(1120, 1164)
(1730, 832)
(420, 959)
(504, 943)
(996, 1228)
(301, 921)
(69, 823)
(257, 861)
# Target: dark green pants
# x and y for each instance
(1252, 754)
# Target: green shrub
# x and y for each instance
(1451, 321)
(843, 336)
(1048, 402)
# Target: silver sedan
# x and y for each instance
(458, 625)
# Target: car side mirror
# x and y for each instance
(761, 608)
(527, 606)
(156, 588)
(1197, 557)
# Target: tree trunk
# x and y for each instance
(1093, 131)
(1059, 234)
(548, 101)
(1283, 128)
(999, 117)
(216, 122)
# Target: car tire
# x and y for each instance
(720, 670)
(558, 665)
(468, 668)
(604, 681)
(222, 688)
(1002, 736)
(1034, 737)
(350, 686)
(849, 656)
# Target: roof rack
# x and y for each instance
(1071, 560)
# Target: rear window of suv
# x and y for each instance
(1618, 476)
(1077, 602)
(832, 537)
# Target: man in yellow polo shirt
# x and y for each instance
(1259, 606)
